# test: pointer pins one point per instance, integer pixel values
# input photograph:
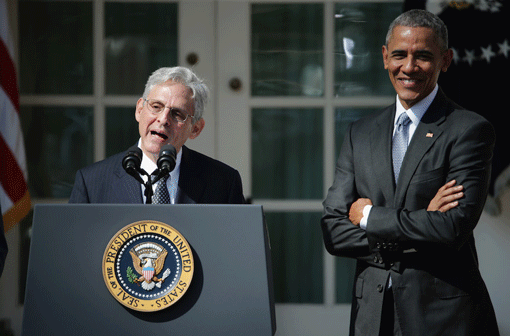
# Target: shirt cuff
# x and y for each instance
(364, 220)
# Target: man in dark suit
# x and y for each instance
(170, 112)
(410, 223)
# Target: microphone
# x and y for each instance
(132, 161)
(166, 160)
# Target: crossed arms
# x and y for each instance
(432, 212)
(446, 198)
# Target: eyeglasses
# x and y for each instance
(156, 107)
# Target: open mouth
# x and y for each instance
(161, 135)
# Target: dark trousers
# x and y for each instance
(389, 319)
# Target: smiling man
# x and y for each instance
(410, 185)
(169, 112)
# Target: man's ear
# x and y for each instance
(197, 128)
(447, 59)
(138, 109)
(385, 56)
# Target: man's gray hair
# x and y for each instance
(187, 78)
(422, 18)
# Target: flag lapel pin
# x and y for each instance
(429, 135)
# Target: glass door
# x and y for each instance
(85, 85)
(292, 76)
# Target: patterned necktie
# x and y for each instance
(173, 189)
(161, 195)
(400, 140)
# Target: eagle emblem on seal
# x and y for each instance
(148, 262)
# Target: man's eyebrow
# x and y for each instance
(424, 52)
(420, 52)
(398, 51)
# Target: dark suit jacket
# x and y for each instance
(201, 180)
(431, 256)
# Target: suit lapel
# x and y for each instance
(129, 188)
(380, 142)
(426, 134)
(191, 186)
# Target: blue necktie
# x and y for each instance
(161, 195)
(400, 141)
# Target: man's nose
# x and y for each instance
(409, 64)
(164, 117)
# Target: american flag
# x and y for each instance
(14, 196)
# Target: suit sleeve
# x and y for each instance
(341, 237)
(79, 193)
(236, 191)
(468, 161)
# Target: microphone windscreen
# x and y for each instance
(166, 160)
(132, 160)
(168, 150)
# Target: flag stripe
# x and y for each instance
(14, 195)
(11, 176)
(10, 129)
(16, 213)
(8, 76)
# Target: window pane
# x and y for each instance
(345, 270)
(360, 33)
(51, 61)
(296, 249)
(121, 129)
(345, 116)
(287, 49)
(287, 153)
(58, 142)
(139, 39)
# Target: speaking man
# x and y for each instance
(169, 113)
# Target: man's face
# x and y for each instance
(414, 60)
(160, 129)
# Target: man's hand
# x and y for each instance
(447, 197)
(356, 210)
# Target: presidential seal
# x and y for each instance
(148, 266)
